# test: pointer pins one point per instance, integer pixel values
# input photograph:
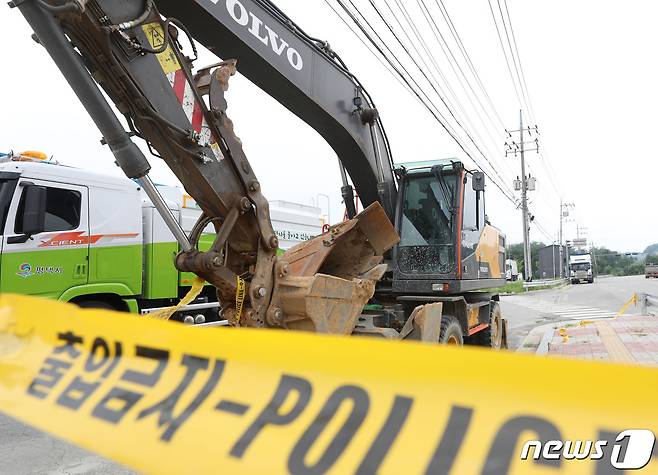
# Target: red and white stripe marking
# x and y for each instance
(192, 109)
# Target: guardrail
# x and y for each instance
(542, 283)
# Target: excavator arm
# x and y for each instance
(136, 57)
(306, 76)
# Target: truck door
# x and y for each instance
(8, 182)
(56, 259)
(472, 226)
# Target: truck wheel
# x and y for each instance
(98, 304)
(451, 331)
(492, 336)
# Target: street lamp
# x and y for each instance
(317, 197)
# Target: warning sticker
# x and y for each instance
(162, 397)
(156, 39)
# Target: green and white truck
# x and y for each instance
(103, 244)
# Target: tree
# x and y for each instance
(607, 262)
(610, 262)
(515, 252)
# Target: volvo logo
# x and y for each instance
(264, 33)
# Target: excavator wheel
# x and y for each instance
(451, 331)
(493, 335)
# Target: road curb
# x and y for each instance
(542, 336)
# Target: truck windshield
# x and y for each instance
(581, 266)
(426, 231)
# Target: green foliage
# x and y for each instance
(651, 259)
(614, 263)
(517, 288)
(509, 288)
(606, 261)
(515, 252)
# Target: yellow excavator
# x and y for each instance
(413, 265)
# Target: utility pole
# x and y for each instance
(564, 212)
(593, 250)
(524, 185)
(527, 255)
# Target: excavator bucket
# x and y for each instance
(322, 285)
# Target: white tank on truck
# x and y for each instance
(100, 241)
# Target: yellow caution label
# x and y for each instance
(156, 38)
(239, 298)
(162, 397)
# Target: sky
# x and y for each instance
(591, 90)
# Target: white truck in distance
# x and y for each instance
(102, 244)
(580, 268)
(511, 270)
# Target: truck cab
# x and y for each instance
(580, 269)
(79, 236)
(511, 270)
(54, 246)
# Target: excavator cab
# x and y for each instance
(446, 244)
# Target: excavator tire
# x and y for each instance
(451, 331)
(492, 336)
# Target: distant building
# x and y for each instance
(549, 262)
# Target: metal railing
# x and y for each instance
(542, 283)
(648, 304)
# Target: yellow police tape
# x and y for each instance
(633, 300)
(240, 293)
(162, 397)
(195, 290)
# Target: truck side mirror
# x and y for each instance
(34, 210)
(478, 181)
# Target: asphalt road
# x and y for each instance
(24, 450)
(604, 298)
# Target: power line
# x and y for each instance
(456, 120)
(500, 38)
(399, 69)
(371, 50)
(460, 44)
(418, 91)
(433, 60)
(440, 39)
(520, 77)
(516, 68)
(543, 231)
(524, 83)
(452, 59)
